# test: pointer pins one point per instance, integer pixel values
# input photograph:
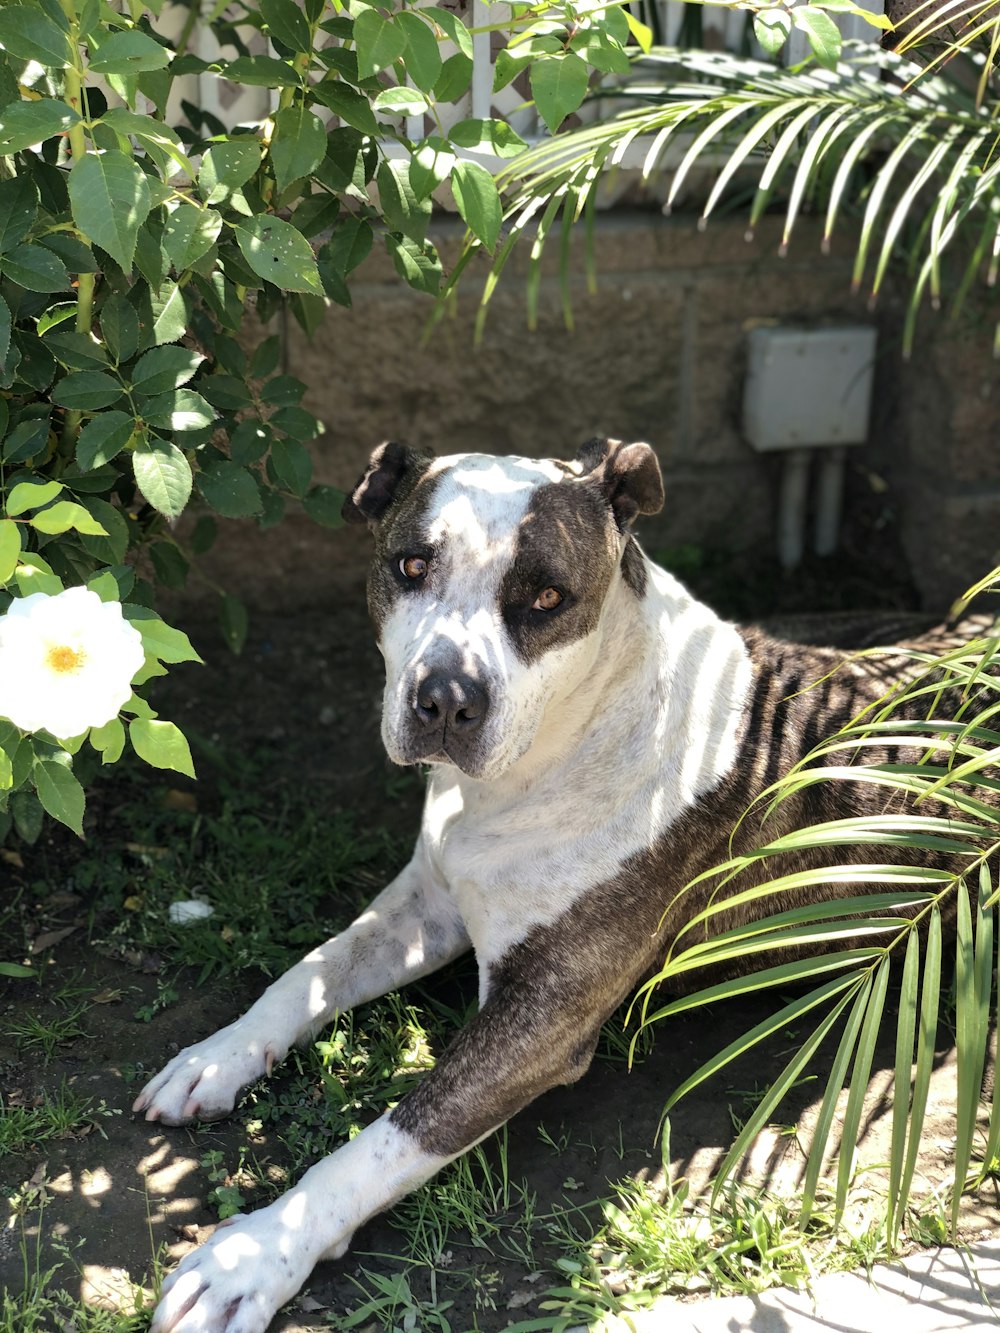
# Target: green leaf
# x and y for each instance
(235, 622)
(120, 327)
(277, 252)
(298, 144)
(249, 442)
(178, 410)
(823, 34)
(227, 166)
(230, 490)
(478, 201)
(163, 475)
(109, 740)
(262, 72)
(771, 27)
(103, 439)
(455, 77)
(349, 245)
(18, 207)
(190, 233)
(169, 314)
(110, 199)
(10, 548)
(60, 793)
(129, 52)
(87, 390)
(418, 265)
(452, 25)
(401, 102)
(31, 495)
(422, 53)
(165, 368)
(292, 465)
(25, 440)
(28, 123)
(641, 32)
(15, 970)
(66, 516)
(494, 137)
(430, 165)
(379, 42)
(402, 210)
(324, 504)
(76, 351)
(558, 85)
(34, 267)
(347, 103)
(161, 744)
(160, 640)
(287, 24)
(31, 35)
(28, 815)
(5, 329)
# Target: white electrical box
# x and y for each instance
(806, 388)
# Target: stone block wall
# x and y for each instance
(657, 352)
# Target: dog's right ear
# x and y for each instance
(388, 468)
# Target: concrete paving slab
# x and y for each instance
(933, 1292)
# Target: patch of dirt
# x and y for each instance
(305, 695)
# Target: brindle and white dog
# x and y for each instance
(593, 735)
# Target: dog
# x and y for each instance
(593, 735)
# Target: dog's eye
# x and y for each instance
(413, 567)
(547, 600)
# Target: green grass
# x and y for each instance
(59, 1114)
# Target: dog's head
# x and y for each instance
(488, 585)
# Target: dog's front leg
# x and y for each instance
(410, 929)
(532, 1033)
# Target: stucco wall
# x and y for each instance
(656, 353)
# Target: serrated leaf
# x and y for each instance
(109, 740)
(324, 504)
(28, 123)
(35, 268)
(418, 265)
(298, 144)
(455, 77)
(120, 327)
(169, 314)
(402, 209)
(230, 490)
(110, 199)
(558, 85)
(349, 245)
(430, 164)
(280, 254)
(18, 207)
(771, 27)
(160, 640)
(823, 34)
(287, 24)
(494, 137)
(379, 41)
(347, 103)
(292, 465)
(235, 622)
(31, 495)
(401, 102)
(87, 390)
(190, 233)
(164, 368)
(178, 410)
(67, 516)
(129, 52)
(10, 548)
(163, 475)
(423, 55)
(261, 72)
(161, 744)
(60, 793)
(103, 439)
(227, 166)
(5, 330)
(31, 35)
(478, 201)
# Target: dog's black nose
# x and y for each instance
(452, 703)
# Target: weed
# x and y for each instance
(35, 1034)
(56, 1115)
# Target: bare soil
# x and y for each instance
(306, 692)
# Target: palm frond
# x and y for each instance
(908, 153)
(897, 915)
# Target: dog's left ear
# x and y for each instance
(390, 466)
(629, 475)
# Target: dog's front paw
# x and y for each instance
(236, 1282)
(203, 1081)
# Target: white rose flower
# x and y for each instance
(66, 661)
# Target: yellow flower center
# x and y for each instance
(63, 659)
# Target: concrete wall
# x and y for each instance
(656, 353)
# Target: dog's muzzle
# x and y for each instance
(448, 711)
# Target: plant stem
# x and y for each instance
(74, 99)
